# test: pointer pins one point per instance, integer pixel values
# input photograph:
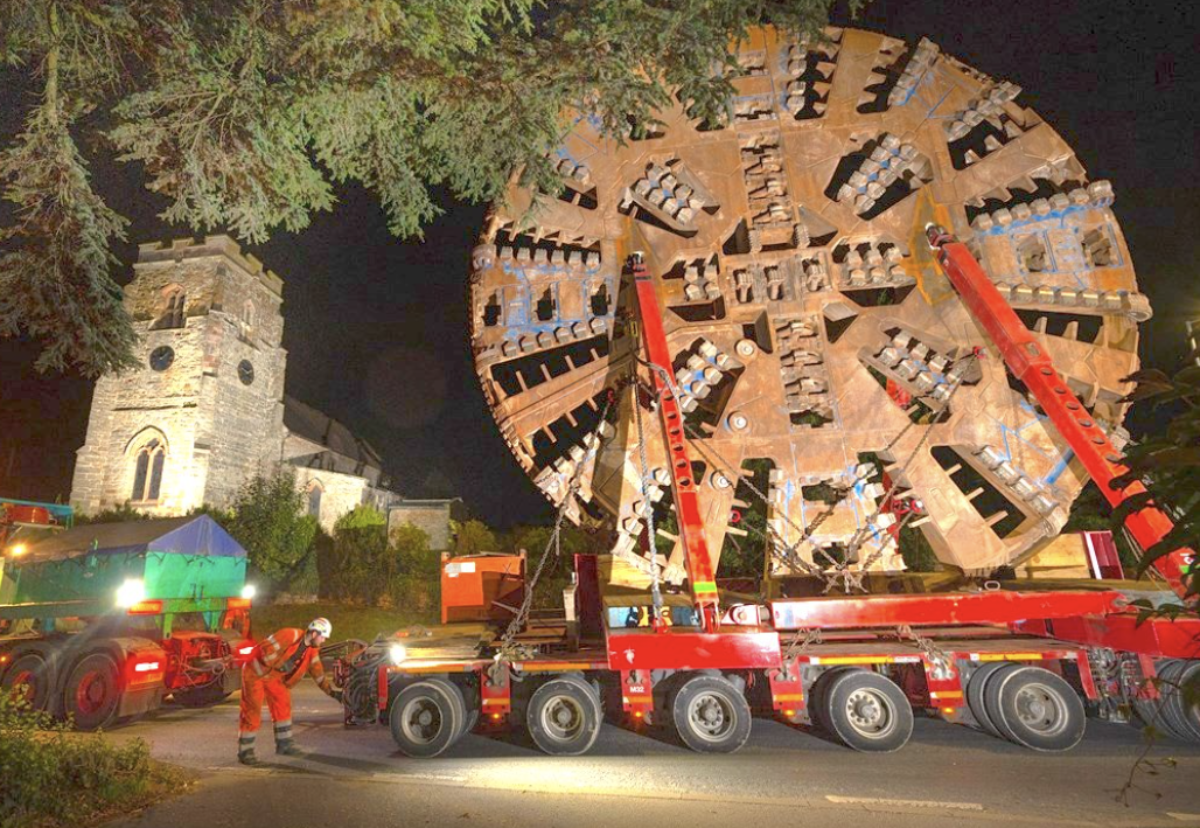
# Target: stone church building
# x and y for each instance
(207, 410)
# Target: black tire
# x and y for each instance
(1150, 710)
(31, 672)
(456, 698)
(976, 686)
(92, 692)
(710, 715)
(817, 695)
(1183, 717)
(425, 719)
(205, 696)
(564, 716)
(1036, 708)
(472, 721)
(868, 712)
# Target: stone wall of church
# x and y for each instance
(215, 430)
(339, 494)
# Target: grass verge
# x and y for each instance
(348, 622)
(51, 777)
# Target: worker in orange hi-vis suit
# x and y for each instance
(277, 664)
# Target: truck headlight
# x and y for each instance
(397, 653)
(133, 591)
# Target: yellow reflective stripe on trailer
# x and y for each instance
(704, 587)
(852, 660)
(945, 694)
(1007, 656)
(782, 697)
(558, 666)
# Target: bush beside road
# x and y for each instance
(50, 776)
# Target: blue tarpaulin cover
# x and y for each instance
(196, 535)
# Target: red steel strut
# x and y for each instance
(1032, 366)
(687, 504)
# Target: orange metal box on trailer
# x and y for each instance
(482, 587)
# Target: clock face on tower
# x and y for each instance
(162, 357)
(245, 372)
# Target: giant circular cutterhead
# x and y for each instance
(821, 356)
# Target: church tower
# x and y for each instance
(204, 411)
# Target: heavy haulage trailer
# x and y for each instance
(100, 623)
(1024, 664)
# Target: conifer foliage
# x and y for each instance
(244, 114)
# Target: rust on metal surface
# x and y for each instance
(814, 338)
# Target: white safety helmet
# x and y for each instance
(321, 626)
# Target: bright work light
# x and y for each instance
(397, 653)
(249, 591)
(133, 591)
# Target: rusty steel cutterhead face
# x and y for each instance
(812, 330)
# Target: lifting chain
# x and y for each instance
(780, 548)
(943, 662)
(801, 641)
(508, 650)
(644, 475)
(785, 552)
(855, 579)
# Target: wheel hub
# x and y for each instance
(422, 722)
(711, 717)
(868, 712)
(563, 718)
(1040, 709)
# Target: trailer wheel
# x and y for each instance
(1181, 713)
(29, 680)
(1035, 708)
(93, 692)
(564, 716)
(868, 712)
(976, 687)
(710, 715)
(425, 719)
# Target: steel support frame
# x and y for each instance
(999, 607)
(1157, 637)
(671, 650)
(1033, 366)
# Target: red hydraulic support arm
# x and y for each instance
(1032, 366)
(687, 504)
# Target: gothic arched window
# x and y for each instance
(172, 307)
(314, 499)
(148, 471)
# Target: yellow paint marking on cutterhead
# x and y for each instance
(922, 266)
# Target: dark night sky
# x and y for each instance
(377, 328)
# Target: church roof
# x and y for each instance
(306, 422)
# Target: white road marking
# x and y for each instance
(905, 803)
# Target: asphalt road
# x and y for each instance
(948, 775)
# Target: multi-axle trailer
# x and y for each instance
(1028, 665)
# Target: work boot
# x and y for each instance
(288, 748)
(247, 758)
